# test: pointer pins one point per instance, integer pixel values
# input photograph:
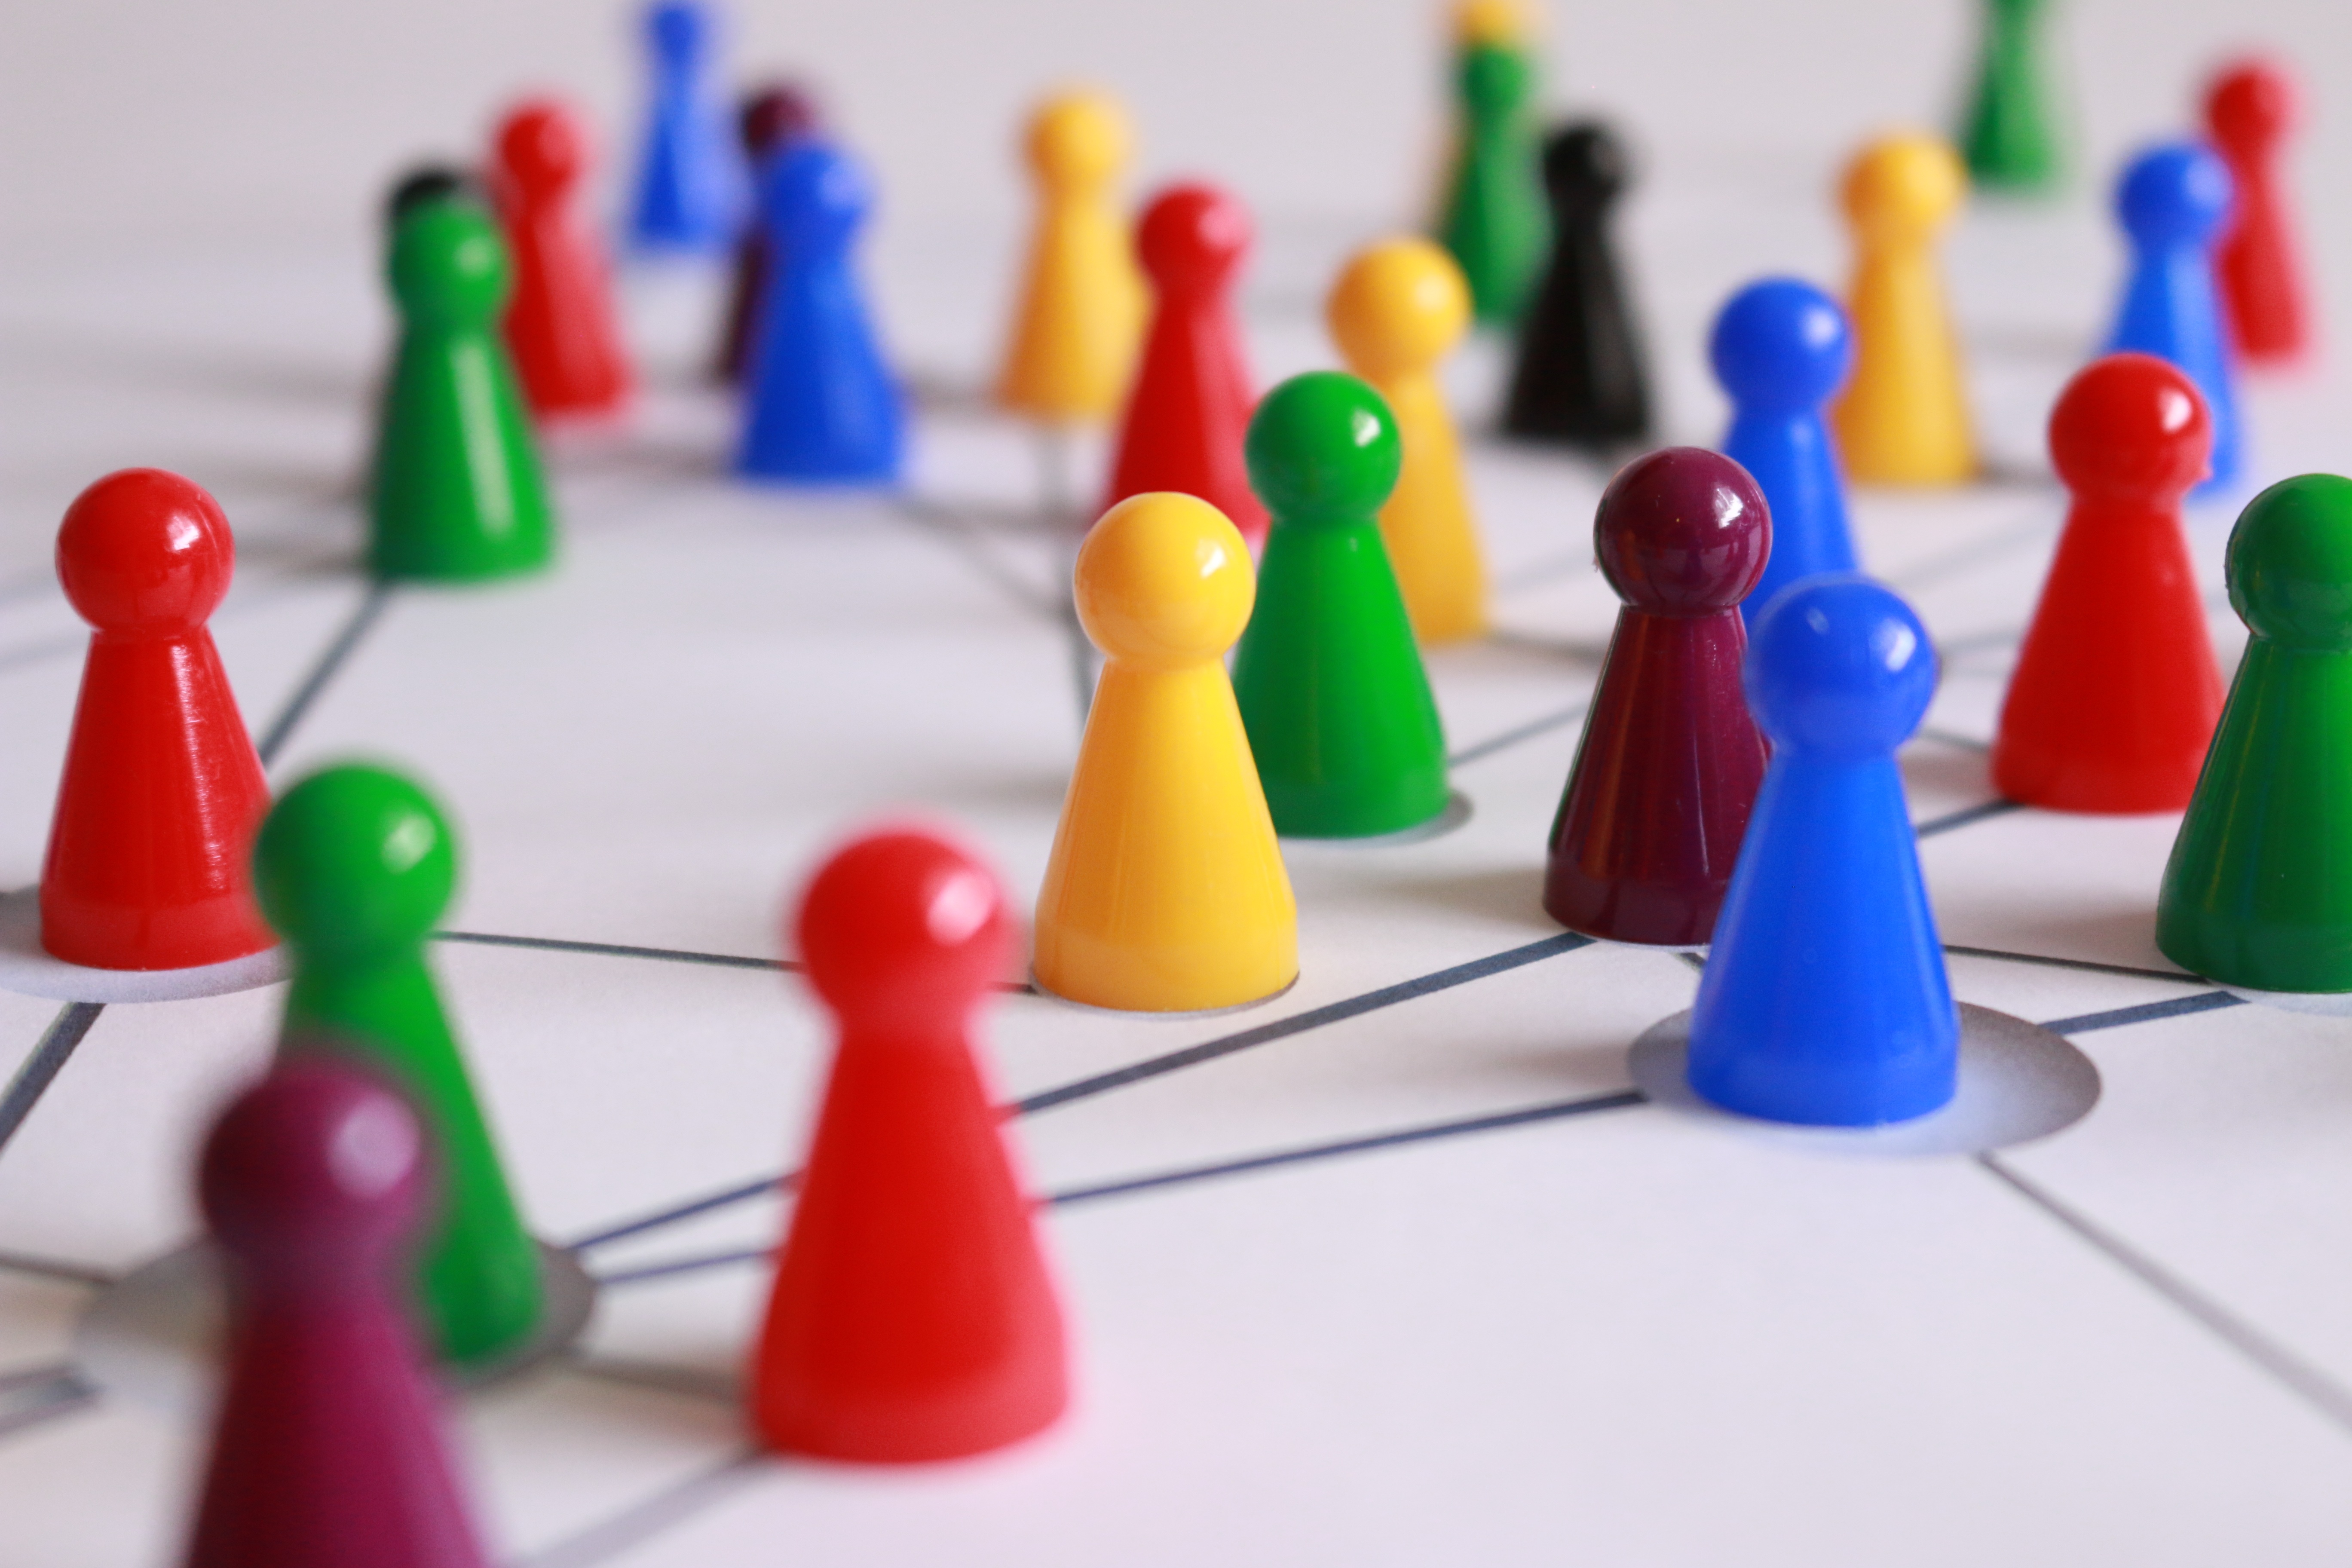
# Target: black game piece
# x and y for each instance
(1580, 379)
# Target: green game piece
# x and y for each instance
(1497, 223)
(354, 866)
(2012, 137)
(458, 494)
(2259, 890)
(1328, 674)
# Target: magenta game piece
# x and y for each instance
(1657, 801)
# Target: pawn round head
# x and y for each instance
(2290, 564)
(427, 183)
(1504, 23)
(2131, 427)
(542, 147)
(1323, 447)
(814, 195)
(1191, 238)
(2178, 193)
(1839, 667)
(145, 553)
(904, 926)
(680, 30)
(1904, 186)
(1781, 346)
(1399, 306)
(775, 115)
(1163, 580)
(316, 1173)
(1585, 165)
(1077, 141)
(354, 864)
(2251, 105)
(449, 264)
(1681, 531)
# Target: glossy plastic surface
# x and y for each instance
(161, 793)
(327, 1448)
(690, 194)
(2259, 890)
(1825, 1001)
(770, 119)
(1903, 418)
(1328, 677)
(1781, 349)
(457, 493)
(1494, 218)
(2173, 200)
(912, 1317)
(821, 406)
(1190, 406)
(2115, 691)
(1080, 321)
(355, 868)
(1578, 376)
(2012, 135)
(2249, 109)
(1166, 890)
(561, 325)
(1657, 800)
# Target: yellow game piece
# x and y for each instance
(1395, 311)
(1166, 891)
(1083, 301)
(1495, 21)
(1903, 417)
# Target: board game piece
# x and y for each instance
(690, 191)
(1824, 1001)
(2113, 700)
(821, 405)
(2259, 890)
(2173, 200)
(2249, 110)
(560, 326)
(1080, 316)
(1190, 406)
(355, 866)
(1780, 349)
(1494, 218)
(1903, 418)
(913, 1316)
(2011, 136)
(1578, 377)
(1650, 824)
(160, 791)
(1332, 689)
(770, 117)
(457, 494)
(327, 1447)
(428, 182)
(1166, 891)
(1397, 309)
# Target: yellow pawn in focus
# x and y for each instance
(1082, 302)
(1398, 307)
(1904, 419)
(1166, 892)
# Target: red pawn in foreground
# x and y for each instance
(1658, 798)
(2249, 109)
(1190, 408)
(161, 793)
(559, 325)
(2116, 692)
(327, 1448)
(912, 1317)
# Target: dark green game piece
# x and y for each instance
(457, 493)
(354, 866)
(1496, 222)
(2011, 140)
(2259, 890)
(1327, 675)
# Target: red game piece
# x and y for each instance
(560, 323)
(327, 1449)
(769, 119)
(912, 1317)
(1191, 406)
(2116, 692)
(2249, 109)
(161, 793)
(1658, 798)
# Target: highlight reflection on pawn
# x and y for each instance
(1780, 349)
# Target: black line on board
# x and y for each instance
(2181, 975)
(945, 521)
(1512, 737)
(670, 1268)
(1057, 506)
(1962, 556)
(643, 1520)
(1952, 738)
(686, 1382)
(72, 1394)
(331, 663)
(727, 1198)
(618, 950)
(1964, 816)
(40, 1070)
(55, 1269)
(2146, 1012)
(34, 1376)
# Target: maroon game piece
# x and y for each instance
(1658, 799)
(769, 119)
(1191, 406)
(912, 1317)
(2249, 109)
(161, 793)
(327, 1448)
(560, 324)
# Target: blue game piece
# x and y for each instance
(2173, 200)
(1825, 1000)
(1780, 348)
(690, 181)
(822, 407)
